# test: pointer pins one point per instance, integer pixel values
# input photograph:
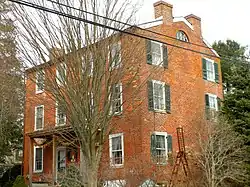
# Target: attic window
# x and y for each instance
(180, 35)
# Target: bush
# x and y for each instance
(19, 182)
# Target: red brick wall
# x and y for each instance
(184, 75)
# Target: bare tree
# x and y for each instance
(222, 155)
(84, 66)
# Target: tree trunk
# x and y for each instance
(92, 175)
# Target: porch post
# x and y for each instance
(30, 161)
(54, 161)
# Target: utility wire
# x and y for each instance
(147, 30)
(32, 5)
(127, 24)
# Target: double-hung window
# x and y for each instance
(61, 159)
(115, 56)
(157, 54)
(158, 96)
(116, 149)
(161, 146)
(60, 114)
(61, 73)
(116, 107)
(38, 159)
(212, 105)
(40, 81)
(39, 117)
(210, 70)
(212, 101)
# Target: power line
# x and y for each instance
(32, 5)
(127, 24)
(154, 32)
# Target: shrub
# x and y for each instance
(19, 182)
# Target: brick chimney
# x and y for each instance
(164, 9)
(196, 23)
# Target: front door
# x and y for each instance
(60, 161)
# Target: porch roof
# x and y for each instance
(49, 132)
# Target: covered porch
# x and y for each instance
(50, 152)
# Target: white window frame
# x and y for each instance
(114, 99)
(56, 117)
(34, 168)
(213, 71)
(111, 150)
(37, 74)
(60, 83)
(164, 96)
(115, 66)
(161, 60)
(216, 101)
(91, 61)
(165, 134)
(36, 115)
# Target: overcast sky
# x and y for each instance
(221, 19)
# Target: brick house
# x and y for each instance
(186, 83)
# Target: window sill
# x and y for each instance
(158, 65)
(160, 111)
(212, 81)
(38, 171)
(117, 166)
(60, 125)
(161, 164)
(117, 114)
(38, 129)
(39, 92)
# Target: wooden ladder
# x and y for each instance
(181, 158)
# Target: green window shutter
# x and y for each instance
(170, 149)
(150, 96)
(148, 51)
(153, 145)
(207, 100)
(207, 110)
(216, 70)
(204, 68)
(219, 103)
(167, 98)
(170, 144)
(165, 57)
